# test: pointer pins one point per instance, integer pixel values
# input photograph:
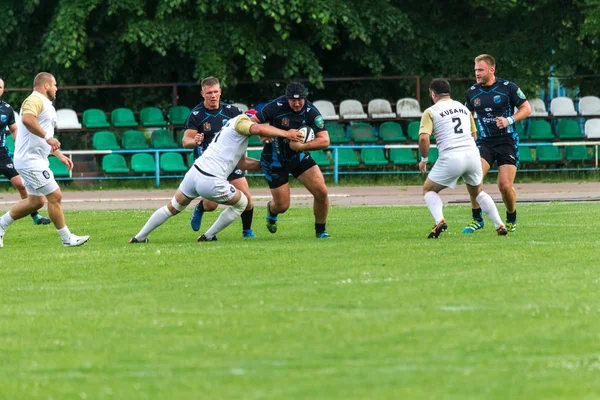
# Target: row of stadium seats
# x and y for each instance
(562, 129)
(135, 140)
(94, 118)
(142, 163)
(565, 107)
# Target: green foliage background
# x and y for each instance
(94, 42)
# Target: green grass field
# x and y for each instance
(377, 312)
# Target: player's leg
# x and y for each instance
(203, 206)
(56, 214)
(237, 204)
(435, 205)
(477, 221)
(311, 177)
(506, 178)
(277, 178)
(488, 206)
(178, 203)
(17, 182)
(242, 185)
(21, 209)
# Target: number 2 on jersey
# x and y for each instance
(457, 128)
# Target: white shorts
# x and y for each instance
(195, 184)
(38, 182)
(457, 164)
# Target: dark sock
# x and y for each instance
(34, 214)
(511, 217)
(319, 228)
(200, 206)
(477, 214)
(247, 219)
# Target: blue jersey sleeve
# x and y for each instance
(268, 112)
(194, 120)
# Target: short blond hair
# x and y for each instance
(210, 81)
(487, 59)
(42, 78)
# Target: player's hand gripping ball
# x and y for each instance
(308, 132)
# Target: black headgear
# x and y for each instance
(295, 90)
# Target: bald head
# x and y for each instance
(42, 78)
(46, 85)
(1, 87)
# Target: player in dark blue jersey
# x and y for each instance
(206, 120)
(280, 158)
(493, 101)
(8, 126)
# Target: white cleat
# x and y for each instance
(75, 240)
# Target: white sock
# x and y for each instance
(65, 234)
(159, 217)
(230, 214)
(435, 204)
(6, 220)
(489, 208)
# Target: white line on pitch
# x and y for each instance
(116, 200)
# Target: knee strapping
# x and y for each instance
(240, 206)
(176, 205)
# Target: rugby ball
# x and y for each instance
(308, 133)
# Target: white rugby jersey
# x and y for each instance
(451, 123)
(228, 146)
(31, 151)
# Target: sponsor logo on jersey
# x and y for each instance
(477, 102)
(285, 122)
(3, 118)
(195, 112)
(488, 109)
(231, 189)
(506, 83)
(279, 104)
(520, 94)
(319, 122)
(46, 174)
(9, 166)
(497, 100)
(207, 126)
(229, 106)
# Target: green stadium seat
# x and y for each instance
(172, 162)
(433, 155)
(152, 116)
(362, 132)
(568, 129)
(391, 132)
(134, 140)
(402, 157)
(178, 115)
(59, 169)
(548, 154)
(337, 134)
(163, 139)
(123, 117)
(143, 163)
(105, 140)
(577, 153)
(525, 154)
(540, 130)
(373, 157)
(10, 143)
(347, 158)
(191, 159)
(254, 154)
(94, 118)
(320, 158)
(413, 130)
(114, 164)
(254, 140)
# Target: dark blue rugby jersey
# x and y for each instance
(497, 100)
(7, 118)
(279, 114)
(210, 122)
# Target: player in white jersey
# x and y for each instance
(454, 130)
(35, 141)
(208, 176)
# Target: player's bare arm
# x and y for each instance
(522, 112)
(13, 131)
(321, 141)
(31, 123)
(63, 159)
(249, 163)
(192, 138)
(270, 131)
(424, 143)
